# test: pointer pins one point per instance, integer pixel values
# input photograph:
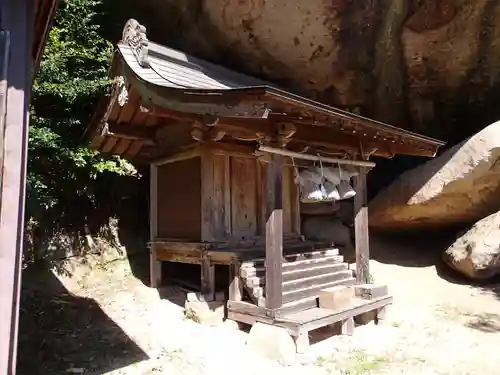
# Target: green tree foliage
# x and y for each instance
(69, 185)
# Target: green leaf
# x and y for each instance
(63, 173)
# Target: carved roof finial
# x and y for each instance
(134, 35)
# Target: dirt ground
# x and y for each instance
(104, 320)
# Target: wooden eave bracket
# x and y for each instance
(127, 132)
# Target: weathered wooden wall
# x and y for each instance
(219, 197)
(179, 200)
(234, 201)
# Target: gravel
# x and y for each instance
(434, 327)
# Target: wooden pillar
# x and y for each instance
(235, 285)
(155, 271)
(207, 277)
(214, 211)
(274, 234)
(16, 64)
(361, 229)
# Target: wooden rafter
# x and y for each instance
(301, 131)
(138, 133)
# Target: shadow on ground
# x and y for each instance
(59, 331)
(491, 286)
(486, 322)
(415, 251)
(408, 251)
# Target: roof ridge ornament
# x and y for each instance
(134, 35)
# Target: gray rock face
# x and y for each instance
(391, 60)
(272, 342)
(329, 229)
(460, 186)
(476, 254)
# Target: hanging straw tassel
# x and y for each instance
(309, 192)
(328, 189)
(345, 189)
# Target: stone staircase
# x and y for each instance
(305, 274)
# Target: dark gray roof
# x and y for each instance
(168, 67)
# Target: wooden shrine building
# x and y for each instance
(222, 147)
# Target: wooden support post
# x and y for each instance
(207, 278)
(302, 342)
(155, 271)
(274, 234)
(381, 314)
(348, 326)
(235, 285)
(361, 229)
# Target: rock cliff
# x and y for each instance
(428, 65)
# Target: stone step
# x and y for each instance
(313, 290)
(311, 281)
(305, 264)
(293, 257)
(322, 268)
(305, 292)
(309, 302)
(299, 305)
(288, 267)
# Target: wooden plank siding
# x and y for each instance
(215, 197)
(244, 203)
(179, 199)
(234, 198)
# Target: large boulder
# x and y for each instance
(458, 187)
(476, 254)
(272, 342)
(327, 229)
